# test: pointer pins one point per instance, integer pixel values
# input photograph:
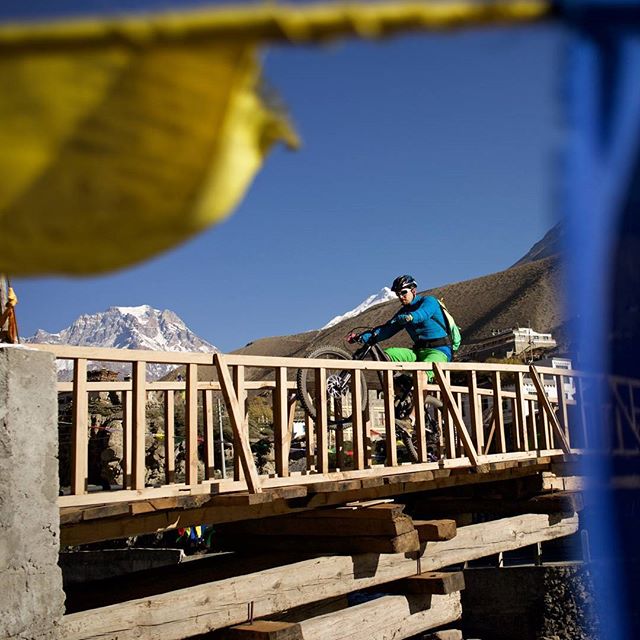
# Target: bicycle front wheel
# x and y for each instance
(339, 398)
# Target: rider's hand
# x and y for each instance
(404, 318)
(365, 337)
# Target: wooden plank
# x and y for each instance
(139, 424)
(390, 421)
(191, 425)
(322, 436)
(208, 434)
(263, 630)
(477, 427)
(309, 433)
(392, 616)
(522, 442)
(127, 439)
(357, 422)
(169, 437)
(432, 530)
(562, 406)
(79, 429)
(419, 380)
(433, 582)
(344, 526)
(281, 441)
(237, 418)
(445, 634)
(348, 545)
(546, 406)
(240, 386)
(455, 413)
(200, 609)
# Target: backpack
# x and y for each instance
(452, 329)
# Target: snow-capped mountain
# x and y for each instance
(140, 327)
(384, 295)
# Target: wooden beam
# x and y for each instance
(322, 428)
(169, 437)
(390, 420)
(202, 608)
(498, 413)
(433, 582)
(320, 544)
(236, 416)
(432, 530)
(191, 425)
(281, 438)
(80, 426)
(454, 411)
(263, 630)
(393, 616)
(419, 379)
(546, 406)
(127, 438)
(207, 410)
(357, 421)
(317, 526)
(475, 411)
(139, 424)
(240, 385)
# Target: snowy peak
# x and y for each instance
(384, 295)
(140, 327)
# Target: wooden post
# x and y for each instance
(562, 406)
(238, 383)
(522, 443)
(209, 456)
(339, 431)
(139, 424)
(235, 409)
(544, 403)
(498, 413)
(475, 411)
(449, 428)
(80, 435)
(357, 421)
(457, 417)
(281, 436)
(583, 414)
(419, 379)
(169, 437)
(310, 437)
(127, 439)
(322, 435)
(390, 420)
(191, 426)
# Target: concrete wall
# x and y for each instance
(31, 596)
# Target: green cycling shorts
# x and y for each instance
(402, 354)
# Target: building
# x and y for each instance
(510, 343)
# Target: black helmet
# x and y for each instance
(403, 282)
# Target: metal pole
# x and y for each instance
(222, 458)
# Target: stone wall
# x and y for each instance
(31, 598)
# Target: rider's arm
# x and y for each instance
(385, 331)
(427, 308)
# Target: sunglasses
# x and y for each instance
(403, 292)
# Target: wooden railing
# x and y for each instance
(491, 413)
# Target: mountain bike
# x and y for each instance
(338, 386)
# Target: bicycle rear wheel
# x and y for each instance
(339, 399)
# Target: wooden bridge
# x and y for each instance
(510, 439)
(491, 423)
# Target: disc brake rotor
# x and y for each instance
(336, 386)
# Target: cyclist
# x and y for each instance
(423, 320)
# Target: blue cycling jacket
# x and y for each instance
(428, 323)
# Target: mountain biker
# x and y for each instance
(423, 320)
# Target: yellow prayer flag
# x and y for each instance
(112, 153)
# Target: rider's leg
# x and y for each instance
(431, 355)
(401, 354)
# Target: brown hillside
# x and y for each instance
(525, 295)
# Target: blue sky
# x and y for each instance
(432, 155)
